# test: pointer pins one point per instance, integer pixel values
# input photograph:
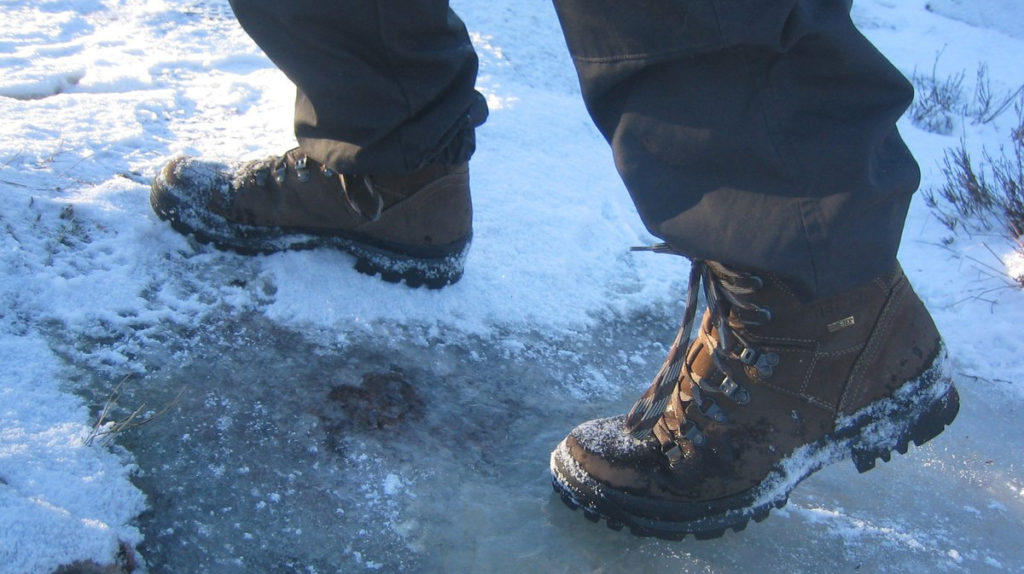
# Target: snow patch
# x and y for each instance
(61, 498)
(987, 14)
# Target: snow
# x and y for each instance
(61, 499)
(254, 467)
(992, 14)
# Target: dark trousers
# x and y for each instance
(758, 133)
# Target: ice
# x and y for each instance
(306, 418)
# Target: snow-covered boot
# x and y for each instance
(771, 389)
(415, 228)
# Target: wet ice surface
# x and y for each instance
(324, 421)
(397, 449)
(407, 450)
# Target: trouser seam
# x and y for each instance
(651, 57)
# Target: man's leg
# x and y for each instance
(757, 138)
(385, 116)
(384, 86)
(757, 133)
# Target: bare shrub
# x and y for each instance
(940, 102)
(988, 196)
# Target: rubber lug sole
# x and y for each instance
(392, 266)
(937, 417)
(616, 524)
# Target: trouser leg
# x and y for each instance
(384, 86)
(756, 133)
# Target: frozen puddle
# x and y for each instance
(414, 449)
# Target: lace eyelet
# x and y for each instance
(694, 435)
(766, 364)
(713, 411)
(301, 169)
(749, 355)
(674, 454)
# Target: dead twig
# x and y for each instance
(106, 429)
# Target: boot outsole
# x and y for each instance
(870, 434)
(391, 265)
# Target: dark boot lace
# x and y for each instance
(727, 292)
(359, 191)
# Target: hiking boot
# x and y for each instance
(771, 389)
(415, 228)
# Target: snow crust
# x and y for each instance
(61, 499)
(254, 467)
(988, 15)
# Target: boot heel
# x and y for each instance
(929, 424)
(395, 267)
(939, 415)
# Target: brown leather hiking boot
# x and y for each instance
(771, 390)
(415, 228)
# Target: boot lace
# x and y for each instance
(359, 191)
(726, 292)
